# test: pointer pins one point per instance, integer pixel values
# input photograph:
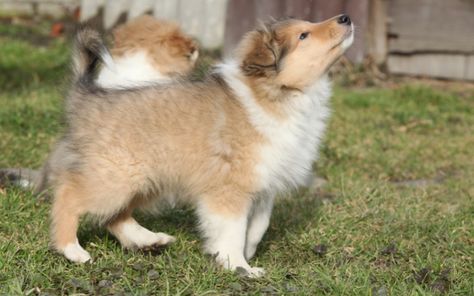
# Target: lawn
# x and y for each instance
(395, 216)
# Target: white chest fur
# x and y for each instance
(132, 69)
(286, 159)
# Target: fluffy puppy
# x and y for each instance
(227, 144)
(147, 50)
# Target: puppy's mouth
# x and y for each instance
(346, 40)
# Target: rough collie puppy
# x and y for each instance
(227, 145)
(147, 50)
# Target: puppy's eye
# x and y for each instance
(304, 35)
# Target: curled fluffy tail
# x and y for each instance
(88, 53)
(22, 177)
(35, 180)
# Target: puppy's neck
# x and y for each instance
(277, 100)
(272, 97)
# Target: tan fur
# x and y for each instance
(193, 139)
(168, 47)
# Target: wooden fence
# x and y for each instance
(423, 37)
(431, 38)
(203, 19)
(242, 15)
(221, 23)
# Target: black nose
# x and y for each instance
(344, 19)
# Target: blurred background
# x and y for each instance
(389, 214)
(430, 38)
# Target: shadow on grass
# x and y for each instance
(290, 216)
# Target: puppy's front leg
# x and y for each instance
(225, 230)
(258, 224)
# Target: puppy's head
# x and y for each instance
(171, 51)
(295, 53)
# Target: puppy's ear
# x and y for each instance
(261, 52)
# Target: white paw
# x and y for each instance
(134, 236)
(162, 239)
(152, 240)
(256, 272)
(240, 266)
(75, 253)
(251, 272)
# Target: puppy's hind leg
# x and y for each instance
(134, 236)
(65, 215)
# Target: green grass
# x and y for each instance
(381, 238)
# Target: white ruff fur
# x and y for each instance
(131, 70)
(286, 160)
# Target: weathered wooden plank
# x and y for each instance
(192, 16)
(113, 11)
(358, 11)
(240, 19)
(266, 9)
(166, 9)
(140, 7)
(431, 25)
(323, 9)
(212, 35)
(452, 66)
(377, 43)
(301, 9)
(469, 68)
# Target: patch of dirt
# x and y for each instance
(442, 283)
(419, 183)
(436, 282)
(389, 250)
(422, 183)
(388, 256)
(422, 276)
